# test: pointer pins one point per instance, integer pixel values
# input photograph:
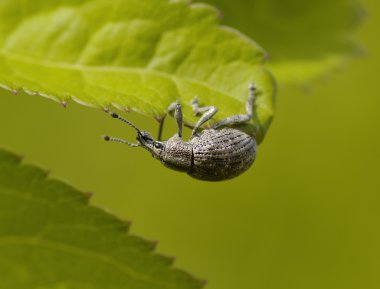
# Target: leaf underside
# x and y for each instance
(138, 55)
(51, 238)
(305, 39)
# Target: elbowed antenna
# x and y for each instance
(115, 115)
(109, 138)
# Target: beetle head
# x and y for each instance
(143, 138)
(146, 141)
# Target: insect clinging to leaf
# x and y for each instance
(214, 154)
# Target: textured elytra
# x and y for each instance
(222, 154)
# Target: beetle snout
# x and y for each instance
(144, 138)
(140, 139)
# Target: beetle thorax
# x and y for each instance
(177, 154)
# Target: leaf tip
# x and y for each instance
(64, 103)
(220, 14)
(203, 282)
(171, 259)
(88, 195)
(10, 157)
(159, 119)
(266, 56)
(127, 224)
(46, 173)
(18, 158)
(154, 244)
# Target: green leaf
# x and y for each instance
(51, 238)
(137, 55)
(305, 39)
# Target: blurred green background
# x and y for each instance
(305, 216)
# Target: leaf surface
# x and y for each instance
(305, 39)
(136, 55)
(50, 238)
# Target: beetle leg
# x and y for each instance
(160, 127)
(208, 113)
(177, 108)
(242, 117)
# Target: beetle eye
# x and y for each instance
(157, 145)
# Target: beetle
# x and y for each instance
(214, 154)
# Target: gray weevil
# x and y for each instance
(213, 154)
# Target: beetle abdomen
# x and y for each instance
(222, 154)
